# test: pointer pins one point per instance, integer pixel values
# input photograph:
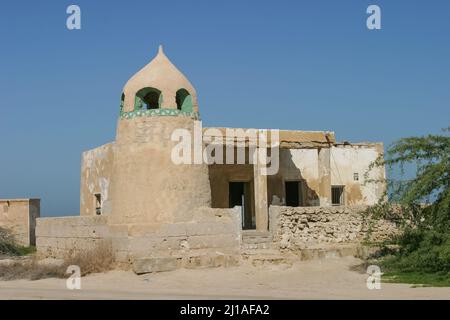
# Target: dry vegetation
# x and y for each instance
(7, 243)
(99, 259)
(29, 269)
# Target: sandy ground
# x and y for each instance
(317, 279)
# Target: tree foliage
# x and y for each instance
(420, 204)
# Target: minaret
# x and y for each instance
(148, 187)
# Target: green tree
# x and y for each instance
(421, 205)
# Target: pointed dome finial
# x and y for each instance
(160, 74)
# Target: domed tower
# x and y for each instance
(148, 187)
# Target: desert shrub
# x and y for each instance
(421, 251)
(30, 269)
(8, 245)
(98, 259)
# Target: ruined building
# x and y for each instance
(19, 217)
(148, 206)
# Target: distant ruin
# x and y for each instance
(19, 217)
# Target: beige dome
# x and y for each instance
(162, 75)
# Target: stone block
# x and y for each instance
(122, 256)
(210, 228)
(154, 264)
(143, 230)
(118, 230)
(173, 230)
(213, 241)
(119, 244)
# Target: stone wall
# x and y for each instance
(19, 216)
(95, 178)
(57, 237)
(212, 230)
(296, 228)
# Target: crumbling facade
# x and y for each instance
(19, 217)
(136, 196)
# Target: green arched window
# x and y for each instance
(184, 100)
(148, 98)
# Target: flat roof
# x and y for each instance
(287, 138)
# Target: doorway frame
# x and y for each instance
(252, 202)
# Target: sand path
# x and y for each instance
(317, 279)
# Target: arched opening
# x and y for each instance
(184, 100)
(147, 98)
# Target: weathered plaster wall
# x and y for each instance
(345, 160)
(323, 167)
(147, 186)
(317, 168)
(295, 164)
(324, 176)
(96, 177)
(319, 227)
(221, 175)
(19, 215)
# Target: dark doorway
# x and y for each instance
(292, 193)
(240, 195)
(337, 195)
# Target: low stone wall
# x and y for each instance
(296, 228)
(57, 237)
(212, 230)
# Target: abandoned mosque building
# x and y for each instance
(157, 214)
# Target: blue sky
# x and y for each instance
(307, 65)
